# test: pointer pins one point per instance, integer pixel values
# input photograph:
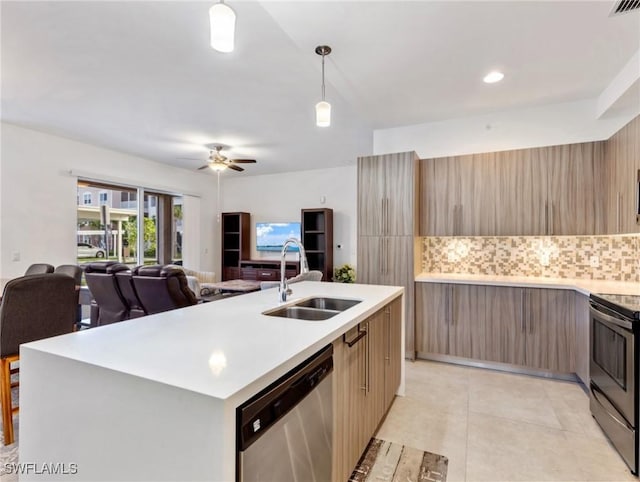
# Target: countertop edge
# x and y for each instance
(582, 286)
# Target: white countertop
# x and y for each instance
(220, 348)
(584, 286)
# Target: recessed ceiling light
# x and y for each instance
(493, 77)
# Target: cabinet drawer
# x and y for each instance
(249, 273)
(266, 275)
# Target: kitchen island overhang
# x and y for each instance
(154, 398)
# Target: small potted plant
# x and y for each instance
(344, 274)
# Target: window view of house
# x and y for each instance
(107, 225)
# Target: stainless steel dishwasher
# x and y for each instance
(284, 432)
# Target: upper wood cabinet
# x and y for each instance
(387, 189)
(542, 191)
(621, 175)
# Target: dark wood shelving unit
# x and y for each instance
(317, 238)
(236, 243)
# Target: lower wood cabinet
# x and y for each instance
(531, 327)
(367, 367)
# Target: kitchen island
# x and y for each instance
(155, 398)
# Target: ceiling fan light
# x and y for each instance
(217, 166)
(323, 114)
(223, 25)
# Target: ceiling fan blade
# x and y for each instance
(203, 167)
(235, 168)
(242, 161)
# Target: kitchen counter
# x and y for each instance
(126, 396)
(584, 286)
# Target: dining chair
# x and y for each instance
(39, 268)
(33, 307)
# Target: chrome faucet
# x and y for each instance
(283, 289)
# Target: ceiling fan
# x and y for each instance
(219, 162)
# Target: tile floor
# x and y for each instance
(500, 427)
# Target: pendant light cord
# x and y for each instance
(323, 76)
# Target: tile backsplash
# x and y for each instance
(588, 257)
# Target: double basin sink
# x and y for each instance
(313, 309)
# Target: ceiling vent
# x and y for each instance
(624, 6)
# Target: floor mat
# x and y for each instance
(394, 462)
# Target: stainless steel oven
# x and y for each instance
(613, 374)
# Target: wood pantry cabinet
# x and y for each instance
(387, 224)
(367, 366)
(622, 165)
(531, 327)
(543, 191)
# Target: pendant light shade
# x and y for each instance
(223, 27)
(323, 114)
(323, 108)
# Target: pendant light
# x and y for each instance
(323, 108)
(223, 26)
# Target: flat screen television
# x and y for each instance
(271, 236)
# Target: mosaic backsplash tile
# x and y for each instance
(614, 258)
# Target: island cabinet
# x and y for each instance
(542, 191)
(367, 365)
(530, 327)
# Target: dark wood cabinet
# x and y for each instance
(235, 245)
(317, 239)
(266, 269)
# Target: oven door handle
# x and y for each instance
(627, 325)
(624, 423)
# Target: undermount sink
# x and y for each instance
(336, 304)
(313, 309)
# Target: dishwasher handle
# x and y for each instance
(256, 415)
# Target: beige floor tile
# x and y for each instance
(411, 422)
(505, 450)
(512, 397)
(598, 459)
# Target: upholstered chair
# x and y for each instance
(39, 268)
(33, 307)
(124, 281)
(162, 288)
(110, 305)
(75, 272)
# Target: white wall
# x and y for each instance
(535, 127)
(38, 195)
(280, 197)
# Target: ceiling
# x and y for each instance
(140, 77)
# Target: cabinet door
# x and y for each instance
(550, 325)
(432, 315)
(371, 193)
(375, 370)
(532, 192)
(349, 427)
(504, 329)
(400, 208)
(398, 268)
(439, 196)
(466, 324)
(582, 337)
(393, 355)
(370, 268)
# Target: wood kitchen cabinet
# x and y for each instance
(622, 163)
(452, 319)
(531, 327)
(387, 189)
(583, 321)
(388, 260)
(542, 191)
(367, 366)
(387, 224)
